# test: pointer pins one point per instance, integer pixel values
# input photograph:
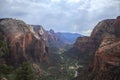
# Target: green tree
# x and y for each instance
(3, 48)
(25, 72)
(5, 70)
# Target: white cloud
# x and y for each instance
(75, 28)
(61, 15)
(73, 1)
(87, 32)
(100, 4)
(56, 1)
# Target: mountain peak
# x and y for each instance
(51, 31)
(118, 17)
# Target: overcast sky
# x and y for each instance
(61, 15)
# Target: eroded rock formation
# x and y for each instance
(106, 65)
(23, 42)
(107, 57)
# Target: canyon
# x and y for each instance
(64, 56)
(33, 44)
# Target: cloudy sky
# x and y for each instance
(61, 15)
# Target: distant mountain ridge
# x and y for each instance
(52, 36)
(67, 37)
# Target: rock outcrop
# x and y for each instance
(85, 45)
(107, 57)
(23, 42)
(106, 64)
(52, 36)
(39, 31)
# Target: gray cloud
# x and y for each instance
(61, 15)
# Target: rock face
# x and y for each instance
(23, 42)
(85, 45)
(106, 64)
(39, 31)
(52, 36)
(92, 43)
(107, 57)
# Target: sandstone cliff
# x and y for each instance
(52, 36)
(23, 42)
(85, 45)
(107, 57)
(106, 64)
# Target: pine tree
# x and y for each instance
(25, 72)
(3, 48)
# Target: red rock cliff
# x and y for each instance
(106, 65)
(23, 43)
(85, 45)
(107, 57)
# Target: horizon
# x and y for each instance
(74, 16)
